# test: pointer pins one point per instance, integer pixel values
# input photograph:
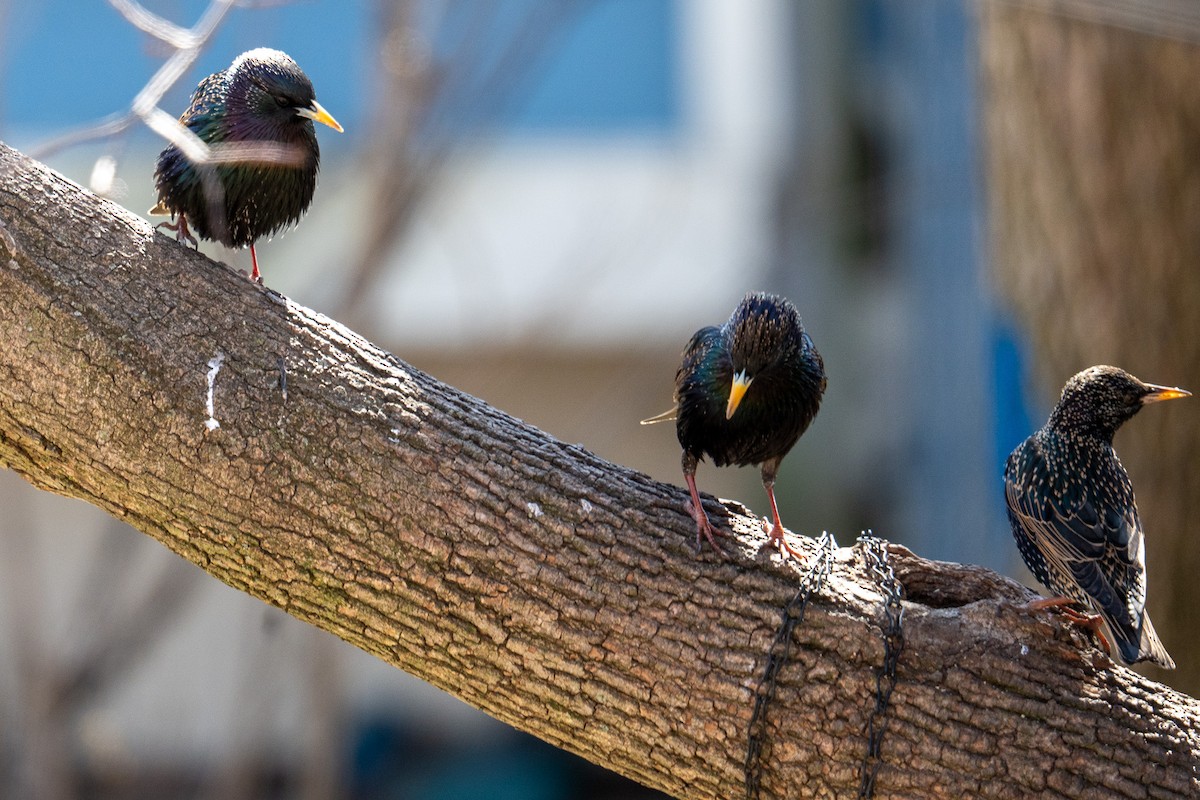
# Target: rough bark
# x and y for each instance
(1093, 145)
(526, 576)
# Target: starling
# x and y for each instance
(1073, 514)
(743, 395)
(263, 103)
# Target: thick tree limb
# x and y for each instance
(528, 577)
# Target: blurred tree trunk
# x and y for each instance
(301, 464)
(1093, 142)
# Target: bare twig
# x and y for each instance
(188, 44)
(156, 26)
(441, 103)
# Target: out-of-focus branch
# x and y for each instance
(433, 102)
(188, 44)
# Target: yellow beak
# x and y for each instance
(736, 392)
(318, 114)
(1158, 393)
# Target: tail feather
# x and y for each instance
(1152, 648)
(1142, 644)
(665, 416)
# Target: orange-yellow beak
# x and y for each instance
(1158, 393)
(736, 392)
(318, 114)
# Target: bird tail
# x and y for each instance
(1151, 648)
(1140, 643)
(665, 416)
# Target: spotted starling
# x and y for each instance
(1073, 514)
(744, 394)
(263, 105)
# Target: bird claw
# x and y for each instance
(709, 532)
(704, 528)
(180, 228)
(777, 538)
(1080, 619)
(253, 278)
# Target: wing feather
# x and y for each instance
(1090, 539)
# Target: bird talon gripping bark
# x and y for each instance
(709, 533)
(1094, 623)
(703, 523)
(180, 229)
(776, 536)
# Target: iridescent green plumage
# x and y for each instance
(257, 116)
(744, 394)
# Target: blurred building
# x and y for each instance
(538, 203)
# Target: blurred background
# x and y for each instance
(539, 201)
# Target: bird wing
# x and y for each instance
(691, 375)
(695, 401)
(207, 108)
(701, 341)
(1091, 538)
(697, 349)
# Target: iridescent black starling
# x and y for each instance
(264, 106)
(1073, 514)
(743, 395)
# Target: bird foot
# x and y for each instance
(775, 532)
(1080, 619)
(180, 228)
(251, 277)
(704, 528)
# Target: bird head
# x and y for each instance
(764, 330)
(269, 88)
(1100, 399)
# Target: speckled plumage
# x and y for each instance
(1072, 508)
(764, 345)
(265, 99)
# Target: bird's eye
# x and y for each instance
(281, 101)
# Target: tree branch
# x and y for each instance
(554, 590)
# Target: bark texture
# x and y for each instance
(554, 590)
(1093, 150)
